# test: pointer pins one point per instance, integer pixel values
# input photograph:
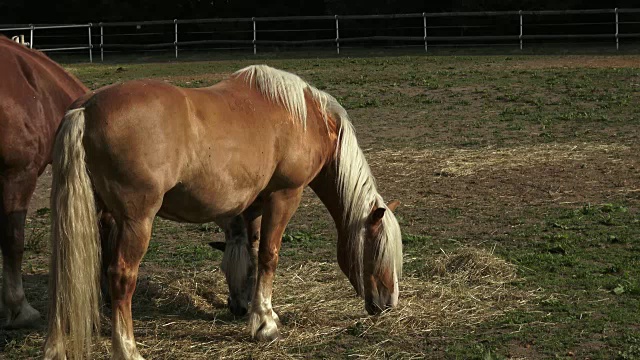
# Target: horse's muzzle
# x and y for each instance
(237, 309)
(380, 302)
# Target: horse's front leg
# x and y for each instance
(253, 221)
(278, 209)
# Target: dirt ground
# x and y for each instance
(533, 160)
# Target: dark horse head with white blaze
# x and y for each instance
(239, 265)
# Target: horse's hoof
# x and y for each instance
(27, 317)
(51, 355)
(264, 328)
(54, 350)
(135, 356)
(268, 333)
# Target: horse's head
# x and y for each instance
(237, 267)
(381, 256)
(381, 271)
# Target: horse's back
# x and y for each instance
(17, 103)
(210, 151)
(146, 134)
(34, 92)
(154, 122)
(28, 73)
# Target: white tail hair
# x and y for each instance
(356, 184)
(74, 278)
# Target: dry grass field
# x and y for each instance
(519, 178)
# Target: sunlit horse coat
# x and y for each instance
(246, 146)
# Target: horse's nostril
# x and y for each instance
(237, 310)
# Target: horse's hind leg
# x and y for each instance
(108, 235)
(15, 193)
(132, 240)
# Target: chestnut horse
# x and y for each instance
(246, 146)
(34, 94)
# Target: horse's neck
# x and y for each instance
(325, 185)
(326, 188)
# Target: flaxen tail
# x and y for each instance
(75, 258)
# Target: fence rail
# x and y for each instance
(420, 29)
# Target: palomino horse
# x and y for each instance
(34, 94)
(247, 146)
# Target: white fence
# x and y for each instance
(503, 28)
(33, 28)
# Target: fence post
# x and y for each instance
(424, 22)
(617, 42)
(101, 42)
(337, 36)
(31, 37)
(90, 45)
(175, 41)
(520, 37)
(255, 50)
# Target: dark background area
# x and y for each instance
(82, 11)
(496, 30)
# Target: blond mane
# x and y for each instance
(286, 89)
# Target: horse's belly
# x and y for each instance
(204, 204)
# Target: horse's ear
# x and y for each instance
(218, 245)
(393, 204)
(377, 215)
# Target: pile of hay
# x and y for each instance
(186, 315)
(180, 314)
(474, 267)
